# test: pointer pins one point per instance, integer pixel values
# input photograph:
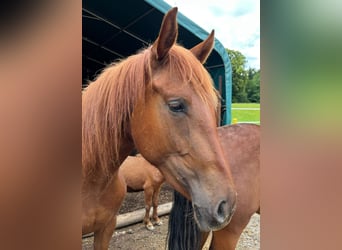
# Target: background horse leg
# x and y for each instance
(103, 236)
(155, 201)
(148, 192)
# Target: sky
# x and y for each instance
(236, 23)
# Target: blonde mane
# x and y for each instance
(108, 102)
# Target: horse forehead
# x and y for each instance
(172, 86)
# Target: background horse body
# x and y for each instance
(140, 175)
(160, 101)
(241, 144)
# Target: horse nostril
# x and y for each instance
(222, 211)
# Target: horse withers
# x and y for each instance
(140, 175)
(241, 144)
(162, 102)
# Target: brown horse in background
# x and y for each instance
(160, 101)
(241, 145)
(140, 175)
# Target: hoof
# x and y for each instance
(159, 223)
(150, 227)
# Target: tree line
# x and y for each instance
(246, 82)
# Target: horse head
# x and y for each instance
(174, 126)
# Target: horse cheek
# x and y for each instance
(145, 131)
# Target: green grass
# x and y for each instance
(245, 105)
(246, 115)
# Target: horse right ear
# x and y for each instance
(167, 35)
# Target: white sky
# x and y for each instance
(236, 23)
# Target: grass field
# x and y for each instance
(246, 115)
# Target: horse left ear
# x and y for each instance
(167, 35)
(203, 49)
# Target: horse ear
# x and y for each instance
(203, 49)
(167, 34)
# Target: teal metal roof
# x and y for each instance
(117, 29)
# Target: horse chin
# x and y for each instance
(204, 226)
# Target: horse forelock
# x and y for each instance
(189, 69)
(107, 105)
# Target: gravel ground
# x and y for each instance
(250, 238)
(136, 237)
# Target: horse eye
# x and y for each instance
(177, 106)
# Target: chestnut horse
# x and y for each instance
(160, 101)
(241, 145)
(140, 175)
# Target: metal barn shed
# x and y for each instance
(117, 29)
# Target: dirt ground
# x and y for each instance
(134, 201)
(136, 237)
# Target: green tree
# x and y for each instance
(253, 85)
(239, 76)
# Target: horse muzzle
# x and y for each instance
(214, 217)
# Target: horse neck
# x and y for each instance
(98, 179)
(126, 147)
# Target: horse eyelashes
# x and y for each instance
(177, 106)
